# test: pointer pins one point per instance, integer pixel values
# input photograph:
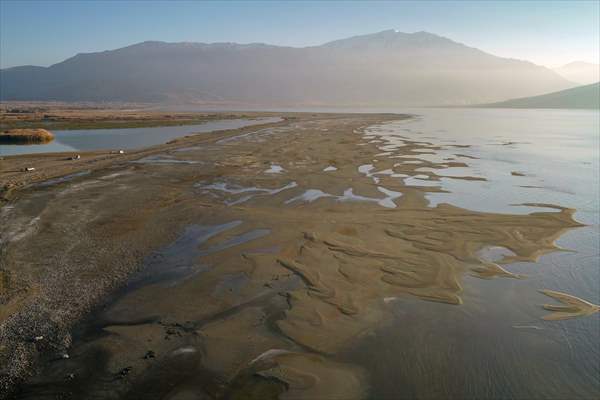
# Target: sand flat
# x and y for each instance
(313, 282)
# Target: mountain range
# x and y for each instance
(387, 68)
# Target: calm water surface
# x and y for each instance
(495, 345)
(130, 138)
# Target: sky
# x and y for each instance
(549, 33)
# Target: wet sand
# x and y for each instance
(206, 272)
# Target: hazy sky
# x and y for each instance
(46, 32)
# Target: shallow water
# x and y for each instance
(495, 345)
(129, 138)
(177, 262)
(236, 190)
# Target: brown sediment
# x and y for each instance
(491, 270)
(467, 156)
(464, 178)
(65, 116)
(311, 284)
(25, 136)
(13, 292)
(453, 164)
(311, 376)
(573, 306)
(230, 354)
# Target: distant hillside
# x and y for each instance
(388, 68)
(584, 97)
(580, 72)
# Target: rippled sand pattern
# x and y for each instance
(425, 254)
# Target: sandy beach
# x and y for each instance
(239, 264)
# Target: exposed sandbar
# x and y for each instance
(229, 267)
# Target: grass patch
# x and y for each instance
(76, 124)
(26, 136)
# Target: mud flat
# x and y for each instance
(66, 116)
(200, 271)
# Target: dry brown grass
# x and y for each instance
(26, 136)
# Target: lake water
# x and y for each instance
(496, 345)
(129, 138)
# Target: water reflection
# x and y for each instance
(129, 138)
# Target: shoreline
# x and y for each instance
(56, 164)
(73, 117)
(292, 247)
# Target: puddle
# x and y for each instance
(178, 261)
(235, 241)
(274, 169)
(387, 202)
(234, 189)
(494, 254)
(330, 168)
(309, 196)
(314, 194)
(367, 169)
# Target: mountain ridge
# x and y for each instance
(585, 97)
(379, 69)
